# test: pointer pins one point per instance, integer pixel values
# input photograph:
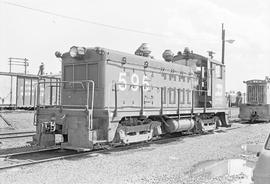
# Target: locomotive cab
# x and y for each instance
(210, 89)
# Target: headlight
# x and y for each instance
(73, 51)
(81, 50)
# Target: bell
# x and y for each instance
(168, 55)
(143, 50)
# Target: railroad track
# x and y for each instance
(35, 157)
(46, 155)
(11, 135)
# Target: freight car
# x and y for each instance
(21, 92)
(112, 97)
(257, 107)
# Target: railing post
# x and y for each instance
(17, 92)
(93, 95)
(31, 91)
(178, 102)
(115, 100)
(90, 113)
(51, 91)
(11, 83)
(35, 96)
(161, 100)
(38, 94)
(56, 92)
(59, 93)
(87, 97)
(204, 109)
(44, 94)
(23, 99)
(142, 100)
(192, 102)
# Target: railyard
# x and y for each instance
(174, 160)
(134, 92)
(135, 129)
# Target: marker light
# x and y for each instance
(73, 51)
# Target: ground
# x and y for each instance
(167, 162)
(14, 121)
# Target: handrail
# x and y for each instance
(161, 88)
(90, 112)
(151, 86)
(90, 115)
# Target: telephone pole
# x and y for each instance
(223, 43)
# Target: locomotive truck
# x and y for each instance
(111, 97)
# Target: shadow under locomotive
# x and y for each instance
(52, 154)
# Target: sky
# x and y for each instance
(173, 25)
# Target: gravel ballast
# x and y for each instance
(18, 120)
(168, 162)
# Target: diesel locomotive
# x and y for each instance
(111, 97)
(257, 107)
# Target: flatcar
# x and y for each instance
(257, 107)
(111, 97)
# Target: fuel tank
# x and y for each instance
(176, 125)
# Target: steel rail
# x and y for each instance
(16, 133)
(103, 150)
(28, 152)
(31, 162)
(11, 135)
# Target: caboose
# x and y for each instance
(111, 97)
(257, 107)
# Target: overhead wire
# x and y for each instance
(83, 20)
(92, 22)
